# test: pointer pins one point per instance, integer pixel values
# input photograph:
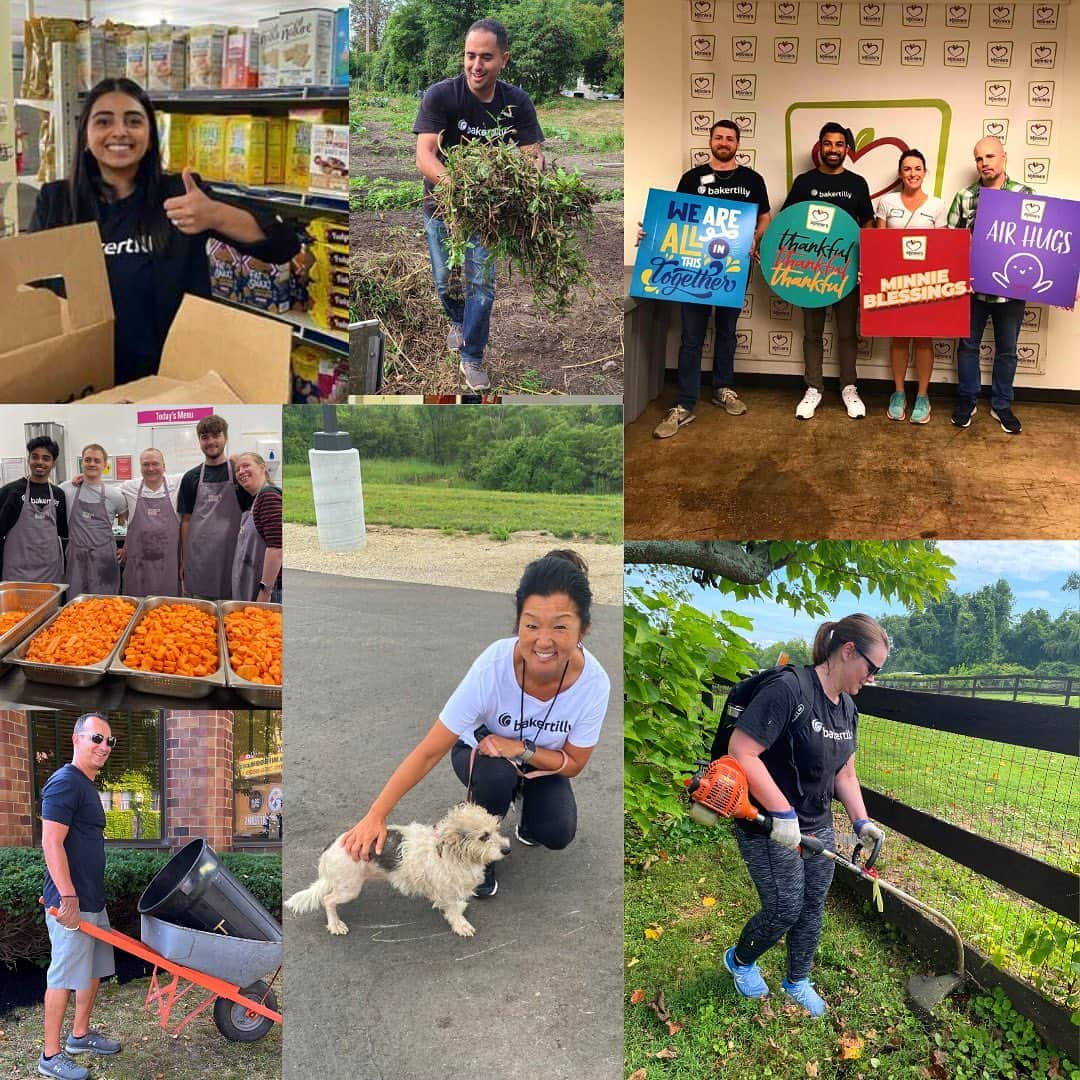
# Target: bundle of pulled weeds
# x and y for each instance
(494, 195)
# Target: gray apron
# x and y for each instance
(32, 550)
(211, 539)
(92, 565)
(153, 548)
(250, 550)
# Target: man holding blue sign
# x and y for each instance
(1007, 314)
(723, 178)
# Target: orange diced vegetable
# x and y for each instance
(10, 619)
(253, 635)
(174, 639)
(83, 633)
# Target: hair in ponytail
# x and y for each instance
(861, 629)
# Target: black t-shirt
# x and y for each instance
(215, 474)
(452, 109)
(822, 743)
(847, 190)
(70, 798)
(11, 505)
(742, 184)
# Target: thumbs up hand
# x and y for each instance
(193, 212)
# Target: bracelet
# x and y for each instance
(69, 896)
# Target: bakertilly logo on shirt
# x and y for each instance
(562, 726)
(828, 733)
(484, 133)
(130, 246)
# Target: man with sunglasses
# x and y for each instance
(73, 839)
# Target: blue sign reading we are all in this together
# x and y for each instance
(695, 250)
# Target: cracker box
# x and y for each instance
(241, 59)
(267, 286)
(298, 154)
(277, 133)
(206, 57)
(176, 136)
(341, 47)
(91, 53)
(329, 162)
(307, 47)
(136, 52)
(226, 270)
(269, 51)
(167, 61)
(245, 150)
(209, 146)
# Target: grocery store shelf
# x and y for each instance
(285, 196)
(304, 326)
(254, 96)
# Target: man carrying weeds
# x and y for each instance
(474, 105)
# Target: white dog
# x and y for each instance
(443, 863)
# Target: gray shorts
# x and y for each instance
(78, 958)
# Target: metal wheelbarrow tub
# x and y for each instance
(236, 960)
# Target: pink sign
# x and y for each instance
(179, 415)
(123, 466)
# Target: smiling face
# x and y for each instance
(1023, 269)
(831, 152)
(118, 133)
(250, 475)
(89, 756)
(851, 668)
(93, 464)
(549, 631)
(483, 63)
(212, 444)
(990, 160)
(723, 144)
(40, 463)
(152, 467)
(912, 173)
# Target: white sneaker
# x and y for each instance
(810, 401)
(855, 407)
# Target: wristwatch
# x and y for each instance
(263, 587)
(527, 753)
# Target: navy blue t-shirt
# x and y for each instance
(823, 742)
(847, 190)
(70, 798)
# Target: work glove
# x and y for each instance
(785, 828)
(867, 831)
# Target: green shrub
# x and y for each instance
(120, 825)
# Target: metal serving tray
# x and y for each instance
(183, 686)
(67, 674)
(38, 599)
(258, 694)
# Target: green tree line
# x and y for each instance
(553, 449)
(404, 46)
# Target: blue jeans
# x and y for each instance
(473, 311)
(695, 321)
(1007, 317)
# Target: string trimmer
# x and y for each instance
(719, 789)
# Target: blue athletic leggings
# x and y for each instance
(792, 891)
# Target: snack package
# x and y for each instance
(226, 270)
(307, 47)
(301, 265)
(267, 286)
(341, 47)
(269, 51)
(328, 230)
(176, 136)
(277, 133)
(337, 115)
(319, 376)
(329, 161)
(167, 57)
(91, 51)
(328, 316)
(322, 292)
(328, 276)
(136, 53)
(43, 32)
(329, 257)
(206, 57)
(209, 146)
(298, 154)
(245, 150)
(241, 59)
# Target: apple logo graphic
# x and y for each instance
(1026, 352)
(742, 340)
(864, 144)
(986, 352)
(956, 50)
(819, 217)
(912, 244)
(1042, 51)
(996, 128)
(914, 11)
(1031, 317)
(744, 9)
(702, 7)
(1040, 91)
(778, 340)
(942, 348)
(828, 48)
(827, 10)
(786, 9)
(996, 90)
(912, 48)
(869, 47)
(701, 82)
(1036, 168)
(742, 157)
(699, 157)
(871, 10)
(1038, 129)
(998, 51)
(957, 12)
(742, 84)
(1001, 13)
(701, 120)
(742, 121)
(701, 46)
(743, 45)
(785, 46)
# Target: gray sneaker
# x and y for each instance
(725, 398)
(675, 419)
(476, 378)
(93, 1042)
(456, 338)
(63, 1066)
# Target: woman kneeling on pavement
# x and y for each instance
(794, 771)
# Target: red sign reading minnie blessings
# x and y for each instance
(915, 282)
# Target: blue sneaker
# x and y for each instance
(920, 414)
(805, 995)
(897, 405)
(748, 980)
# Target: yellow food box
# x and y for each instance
(209, 145)
(277, 134)
(176, 135)
(245, 150)
(298, 154)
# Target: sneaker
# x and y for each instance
(1007, 419)
(805, 995)
(675, 419)
(476, 378)
(524, 837)
(93, 1042)
(920, 414)
(456, 338)
(489, 886)
(852, 402)
(810, 401)
(964, 411)
(897, 406)
(63, 1066)
(726, 398)
(748, 980)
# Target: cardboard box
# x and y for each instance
(241, 59)
(206, 57)
(329, 162)
(341, 47)
(176, 136)
(167, 58)
(306, 47)
(298, 154)
(245, 150)
(61, 350)
(277, 133)
(91, 52)
(208, 146)
(269, 51)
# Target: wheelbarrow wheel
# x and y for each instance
(238, 1023)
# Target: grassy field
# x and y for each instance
(415, 496)
(698, 902)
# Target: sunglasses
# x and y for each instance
(874, 669)
(97, 737)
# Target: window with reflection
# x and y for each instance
(257, 775)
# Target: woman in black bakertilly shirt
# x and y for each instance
(154, 225)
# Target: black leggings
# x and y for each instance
(548, 808)
(792, 891)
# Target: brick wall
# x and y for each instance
(16, 824)
(198, 777)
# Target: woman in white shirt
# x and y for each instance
(522, 722)
(911, 208)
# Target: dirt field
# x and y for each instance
(529, 351)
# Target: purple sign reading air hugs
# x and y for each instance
(1026, 247)
(696, 250)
